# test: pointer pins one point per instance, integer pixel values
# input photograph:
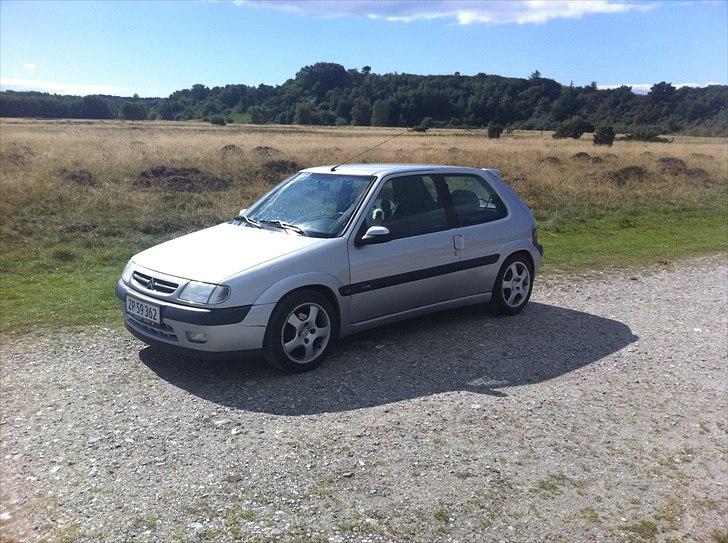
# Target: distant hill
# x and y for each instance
(328, 94)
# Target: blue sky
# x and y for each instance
(154, 48)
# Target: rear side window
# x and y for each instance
(408, 206)
(474, 201)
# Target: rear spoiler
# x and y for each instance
(493, 171)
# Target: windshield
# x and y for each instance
(320, 204)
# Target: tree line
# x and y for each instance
(326, 93)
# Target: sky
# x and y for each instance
(155, 48)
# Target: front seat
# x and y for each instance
(412, 198)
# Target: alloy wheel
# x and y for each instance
(306, 333)
(516, 284)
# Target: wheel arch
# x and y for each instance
(526, 254)
(324, 284)
(522, 247)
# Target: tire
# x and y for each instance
(294, 342)
(510, 301)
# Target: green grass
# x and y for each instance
(71, 281)
(641, 240)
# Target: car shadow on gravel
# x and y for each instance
(460, 350)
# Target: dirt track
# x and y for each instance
(600, 413)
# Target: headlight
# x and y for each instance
(126, 274)
(204, 293)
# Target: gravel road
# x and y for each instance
(600, 413)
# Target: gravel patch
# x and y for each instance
(597, 414)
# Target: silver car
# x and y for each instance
(332, 251)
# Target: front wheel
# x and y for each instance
(301, 329)
(513, 285)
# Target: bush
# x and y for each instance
(427, 122)
(340, 121)
(604, 135)
(628, 173)
(419, 129)
(494, 131)
(218, 120)
(646, 134)
(573, 128)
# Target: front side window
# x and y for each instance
(408, 206)
(320, 204)
(474, 201)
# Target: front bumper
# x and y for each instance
(232, 332)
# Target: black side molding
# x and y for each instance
(416, 275)
(208, 317)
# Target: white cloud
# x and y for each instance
(30, 67)
(644, 88)
(463, 11)
(57, 87)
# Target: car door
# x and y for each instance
(482, 228)
(413, 267)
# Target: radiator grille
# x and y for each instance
(153, 283)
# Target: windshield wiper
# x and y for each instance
(285, 225)
(248, 221)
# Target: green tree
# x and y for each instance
(662, 92)
(303, 113)
(361, 113)
(323, 76)
(169, 109)
(259, 114)
(199, 92)
(91, 107)
(380, 113)
(133, 111)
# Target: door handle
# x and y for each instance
(457, 242)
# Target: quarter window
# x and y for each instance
(474, 200)
(408, 206)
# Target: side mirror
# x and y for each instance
(242, 212)
(375, 234)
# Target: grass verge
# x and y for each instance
(641, 240)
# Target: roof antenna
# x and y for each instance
(333, 168)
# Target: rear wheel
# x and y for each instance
(513, 285)
(300, 331)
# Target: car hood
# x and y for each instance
(216, 253)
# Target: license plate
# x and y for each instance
(143, 310)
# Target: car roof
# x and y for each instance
(386, 169)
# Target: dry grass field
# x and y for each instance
(80, 197)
